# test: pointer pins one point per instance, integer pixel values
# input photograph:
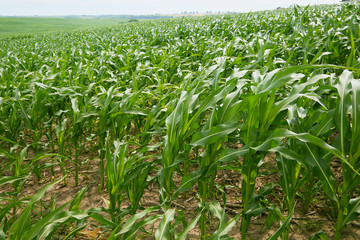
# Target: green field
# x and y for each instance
(35, 25)
(242, 126)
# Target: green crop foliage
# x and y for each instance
(165, 108)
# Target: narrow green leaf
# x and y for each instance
(280, 134)
(355, 115)
(191, 226)
(21, 226)
(319, 236)
(131, 234)
(7, 140)
(2, 234)
(129, 223)
(212, 135)
(75, 203)
(353, 210)
(283, 226)
(11, 179)
(189, 180)
(341, 120)
(226, 228)
(37, 228)
(75, 231)
(130, 111)
(215, 209)
(163, 231)
(60, 219)
(101, 219)
(229, 154)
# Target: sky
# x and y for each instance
(99, 7)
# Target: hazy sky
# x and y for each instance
(97, 7)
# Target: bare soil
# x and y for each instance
(303, 225)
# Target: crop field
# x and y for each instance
(243, 126)
(12, 26)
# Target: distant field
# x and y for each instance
(29, 25)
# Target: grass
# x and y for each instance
(11, 26)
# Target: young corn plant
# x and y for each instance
(220, 124)
(33, 116)
(171, 78)
(262, 113)
(104, 119)
(347, 122)
(24, 228)
(60, 133)
(180, 124)
(173, 147)
(12, 125)
(318, 153)
(116, 168)
(125, 178)
(76, 135)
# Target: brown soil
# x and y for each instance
(303, 225)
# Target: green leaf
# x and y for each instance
(64, 217)
(2, 234)
(351, 60)
(191, 226)
(322, 171)
(355, 115)
(224, 225)
(283, 226)
(225, 229)
(340, 118)
(326, 123)
(135, 228)
(7, 140)
(75, 231)
(51, 221)
(101, 219)
(75, 203)
(353, 210)
(163, 231)
(213, 135)
(319, 236)
(129, 223)
(22, 224)
(229, 154)
(216, 209)
(189, 180)
(277, 78)
(280, 134)
(130, 111)
(11, 179)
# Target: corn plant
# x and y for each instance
(60, 132)
(22, 228)
(179, 99)
(116, 168)
(347, 206)
(76, 135)
(348, 144)
(33, 120)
